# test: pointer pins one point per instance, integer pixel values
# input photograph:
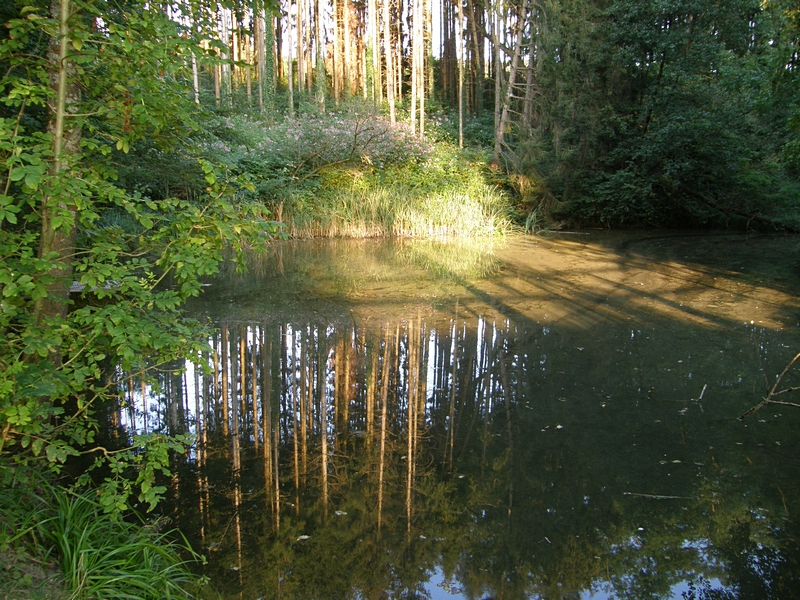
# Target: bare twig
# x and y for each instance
(656, 496)
(775, 392)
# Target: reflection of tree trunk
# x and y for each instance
(237, 503)
(507, 402)
(387, 353)
(304, 377)
(224, 368)
(198, 431)
(453, 387)
(215, 385)
(348, 349)
(276, 472)
(337, 386)
(243, 380)
(234, 412)
(295, 424)
(487, 397)
(266, 414)
(421, 366)
(372, 384)
(323, 420)
(254, 385)
(413, 372)
(144, 402)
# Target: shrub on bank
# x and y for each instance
(355, 174)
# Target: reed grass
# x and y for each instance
(97, 555)
(368, 208)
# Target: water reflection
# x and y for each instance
(474, 456)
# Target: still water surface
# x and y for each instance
(535, 418)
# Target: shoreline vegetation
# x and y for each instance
(350, 173)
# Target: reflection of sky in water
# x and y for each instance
(611, 424)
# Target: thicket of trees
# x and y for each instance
(673, 112)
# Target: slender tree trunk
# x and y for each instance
(346, 42)
(389, 57)
(499, 136)
(459, 35)
(319, 76)
(415, 66)
(66, 136)
(478, 36)
(290, 69)
(299, 17)
(258, 34)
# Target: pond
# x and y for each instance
(528, 418)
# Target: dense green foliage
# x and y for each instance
(667, 113)
(63, 545)
(130, 262)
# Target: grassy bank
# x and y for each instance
(58, 545)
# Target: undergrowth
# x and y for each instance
(57, 544)
(352, 173)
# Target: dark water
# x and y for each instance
(533, 419)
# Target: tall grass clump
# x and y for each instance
(355, 174)
(82, 552)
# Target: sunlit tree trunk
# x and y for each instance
(499, 137)
(225, 38)
(421, 61)
(258, 34)
(300, 16)
(459, 36)
(415, 67)
(320, 82)
(479, 64)
(290, 68)
(348, 48)
(498, 67)
(389, 57)
(308, 54)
